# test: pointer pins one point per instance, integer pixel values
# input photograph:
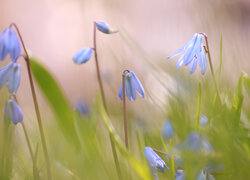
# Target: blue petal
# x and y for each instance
(137, 84)
(12, 42)
(193, 65)
(180, 175)
(4, 73)
(120, 92)
(203, 64)
(13, 112)
(167, 130)
(190, 53)
(13, 80)
(203, 120)
(179, 62)
(130, 90)
(83, 55)
(3, 49)
(183, 48)
(103, 27)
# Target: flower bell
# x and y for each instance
(13, 112)
(9, 44)
(167, 130)
(103, 27)
(155, 163)
(10, 76)
(193, 53)
(132, 84)
(83, 55)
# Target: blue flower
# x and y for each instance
(204, 175)
(82, 108)
(9, 43)
(83, 55)
(132, 84)
(167, 130)
(155, 163)
(180, 175)
(193, 53)
(13, 112)
(103, 27)
(10, 76)
(203, 120)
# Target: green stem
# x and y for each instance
(44, 145)
(197, 118)
(118, 169)
(211, 67)
(124, 109)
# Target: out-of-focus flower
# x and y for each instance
(103, 27)
(167, 130)
(180, 175)
(204, 175)
(203, 120)
(82, 108)
(9, 44)
(195, 142)
(13, 112)
(10, 76)
(193, 53)
(83, 55)
(155, 163)
(132, 84)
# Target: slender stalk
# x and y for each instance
(159, 151)
(211, 67)
(44, 145)
(118, 169)
(124, 109)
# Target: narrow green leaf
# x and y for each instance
(35, 169)
(198, 107)
(220, 58)
(141, 169)
(247, 84)
(238, 94)
(56, 99)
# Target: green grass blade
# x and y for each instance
(247, 84)
(56, 99)
(141, 169)
(238, 94)
(198, 107)
(220, 59)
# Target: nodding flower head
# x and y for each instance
(155, 163)
(10, 76)
(83, 55)
(193, 53)
(13, 112)
(132, 84)
(9, 44)
(167, 130)
(103, 27)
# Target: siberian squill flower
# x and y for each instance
(167, 130)
(83, 55)
(13, 112)
(9, 44)
(180, 175)
(155, 163)
(103, 27)
(193, 53)
(132, 84)
(203, 120)
(10, 76)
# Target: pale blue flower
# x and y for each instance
(193, 53)
(155, 163)
(167, 130)
(180, 175)
(103, 27)
(10, 76)
(83, 55)
(82, 108)
(132, 84)
(13, 112)
(9, 44)
(204, 175)
(203, 120)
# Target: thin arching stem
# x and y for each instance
(44, 145)
(211, 66)
(118, 169)
(124, 109)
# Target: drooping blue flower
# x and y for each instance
(13, 112)
(103, 27)
(10, 76)
(193, 53)
(167, 130)
(9, 44)
(155, 163)
(82, 108)
(83, 55)
(180, 175)
(195, 142)
(203, 120)
(132, 84)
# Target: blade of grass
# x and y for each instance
(198, 107)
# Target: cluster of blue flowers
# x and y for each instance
(10, 75)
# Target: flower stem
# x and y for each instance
(44, 145)
(118, 169)
(124, 109)
(211, 67)
(159, 151)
